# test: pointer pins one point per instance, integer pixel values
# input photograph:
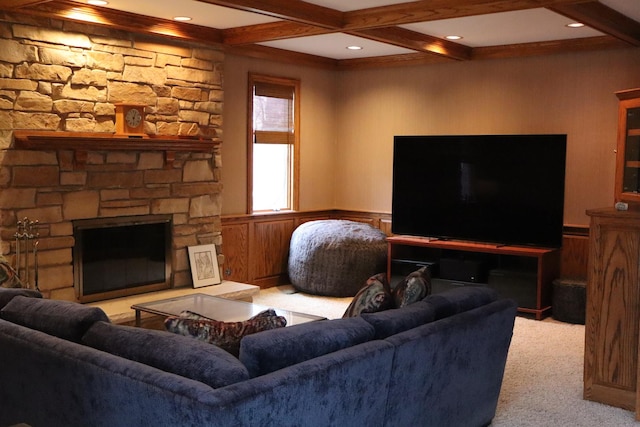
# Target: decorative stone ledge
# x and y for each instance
(82, 142)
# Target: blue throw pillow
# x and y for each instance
(169, 352)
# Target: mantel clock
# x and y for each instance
(130, 119)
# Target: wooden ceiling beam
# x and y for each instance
(287, 56)
(16, 4)
(416, 41)
(602, 18)
(547, 48)
(72, 11)
(270, 31)
(377, 62)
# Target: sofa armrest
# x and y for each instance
(453, 367)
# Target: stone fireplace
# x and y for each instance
(129, 186)
(60, 162)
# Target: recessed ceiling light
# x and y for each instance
(354, 47)
(98, 2)
(453, 37)
(182, 18)
(575, 25)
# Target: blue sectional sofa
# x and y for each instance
(438, 362)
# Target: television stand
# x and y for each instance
(519, 272)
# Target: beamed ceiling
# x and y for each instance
(391, 32)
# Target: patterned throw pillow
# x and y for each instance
(413, 288)
(8, 276)
(374, 296)
(226, 335)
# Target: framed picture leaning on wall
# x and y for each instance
(204, 265)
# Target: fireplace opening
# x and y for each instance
(122, 256)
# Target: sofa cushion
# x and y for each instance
(374, 296)
(226, 335)
(7, 294)
(272, 350)
(390, 322)
(63, 319)
(173, 353)
(460, 299)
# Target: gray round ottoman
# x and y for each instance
(335, 257)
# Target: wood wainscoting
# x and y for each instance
(256, 247)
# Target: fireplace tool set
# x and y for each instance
(27, 245)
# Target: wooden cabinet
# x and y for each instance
(627, 184)
(235, 241)
(613, 309)
(255, 251)
(522, 273)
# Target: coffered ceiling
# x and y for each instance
(388, 32)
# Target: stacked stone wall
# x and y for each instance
(67, 76)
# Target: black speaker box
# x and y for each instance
(463, 270)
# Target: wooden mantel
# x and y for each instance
(82, 142)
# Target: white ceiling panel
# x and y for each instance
(348, 6)
(631, 8)
(335, 46)
(204, 14)
(534, 25)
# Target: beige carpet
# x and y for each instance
(543, 377)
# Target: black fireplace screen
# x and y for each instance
(121, 257)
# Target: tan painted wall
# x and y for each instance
(572, 94)
(363, 110)
(318, 132)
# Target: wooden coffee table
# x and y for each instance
(221, 309)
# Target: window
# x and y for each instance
(273, 147)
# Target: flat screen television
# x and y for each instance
(503, 189)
